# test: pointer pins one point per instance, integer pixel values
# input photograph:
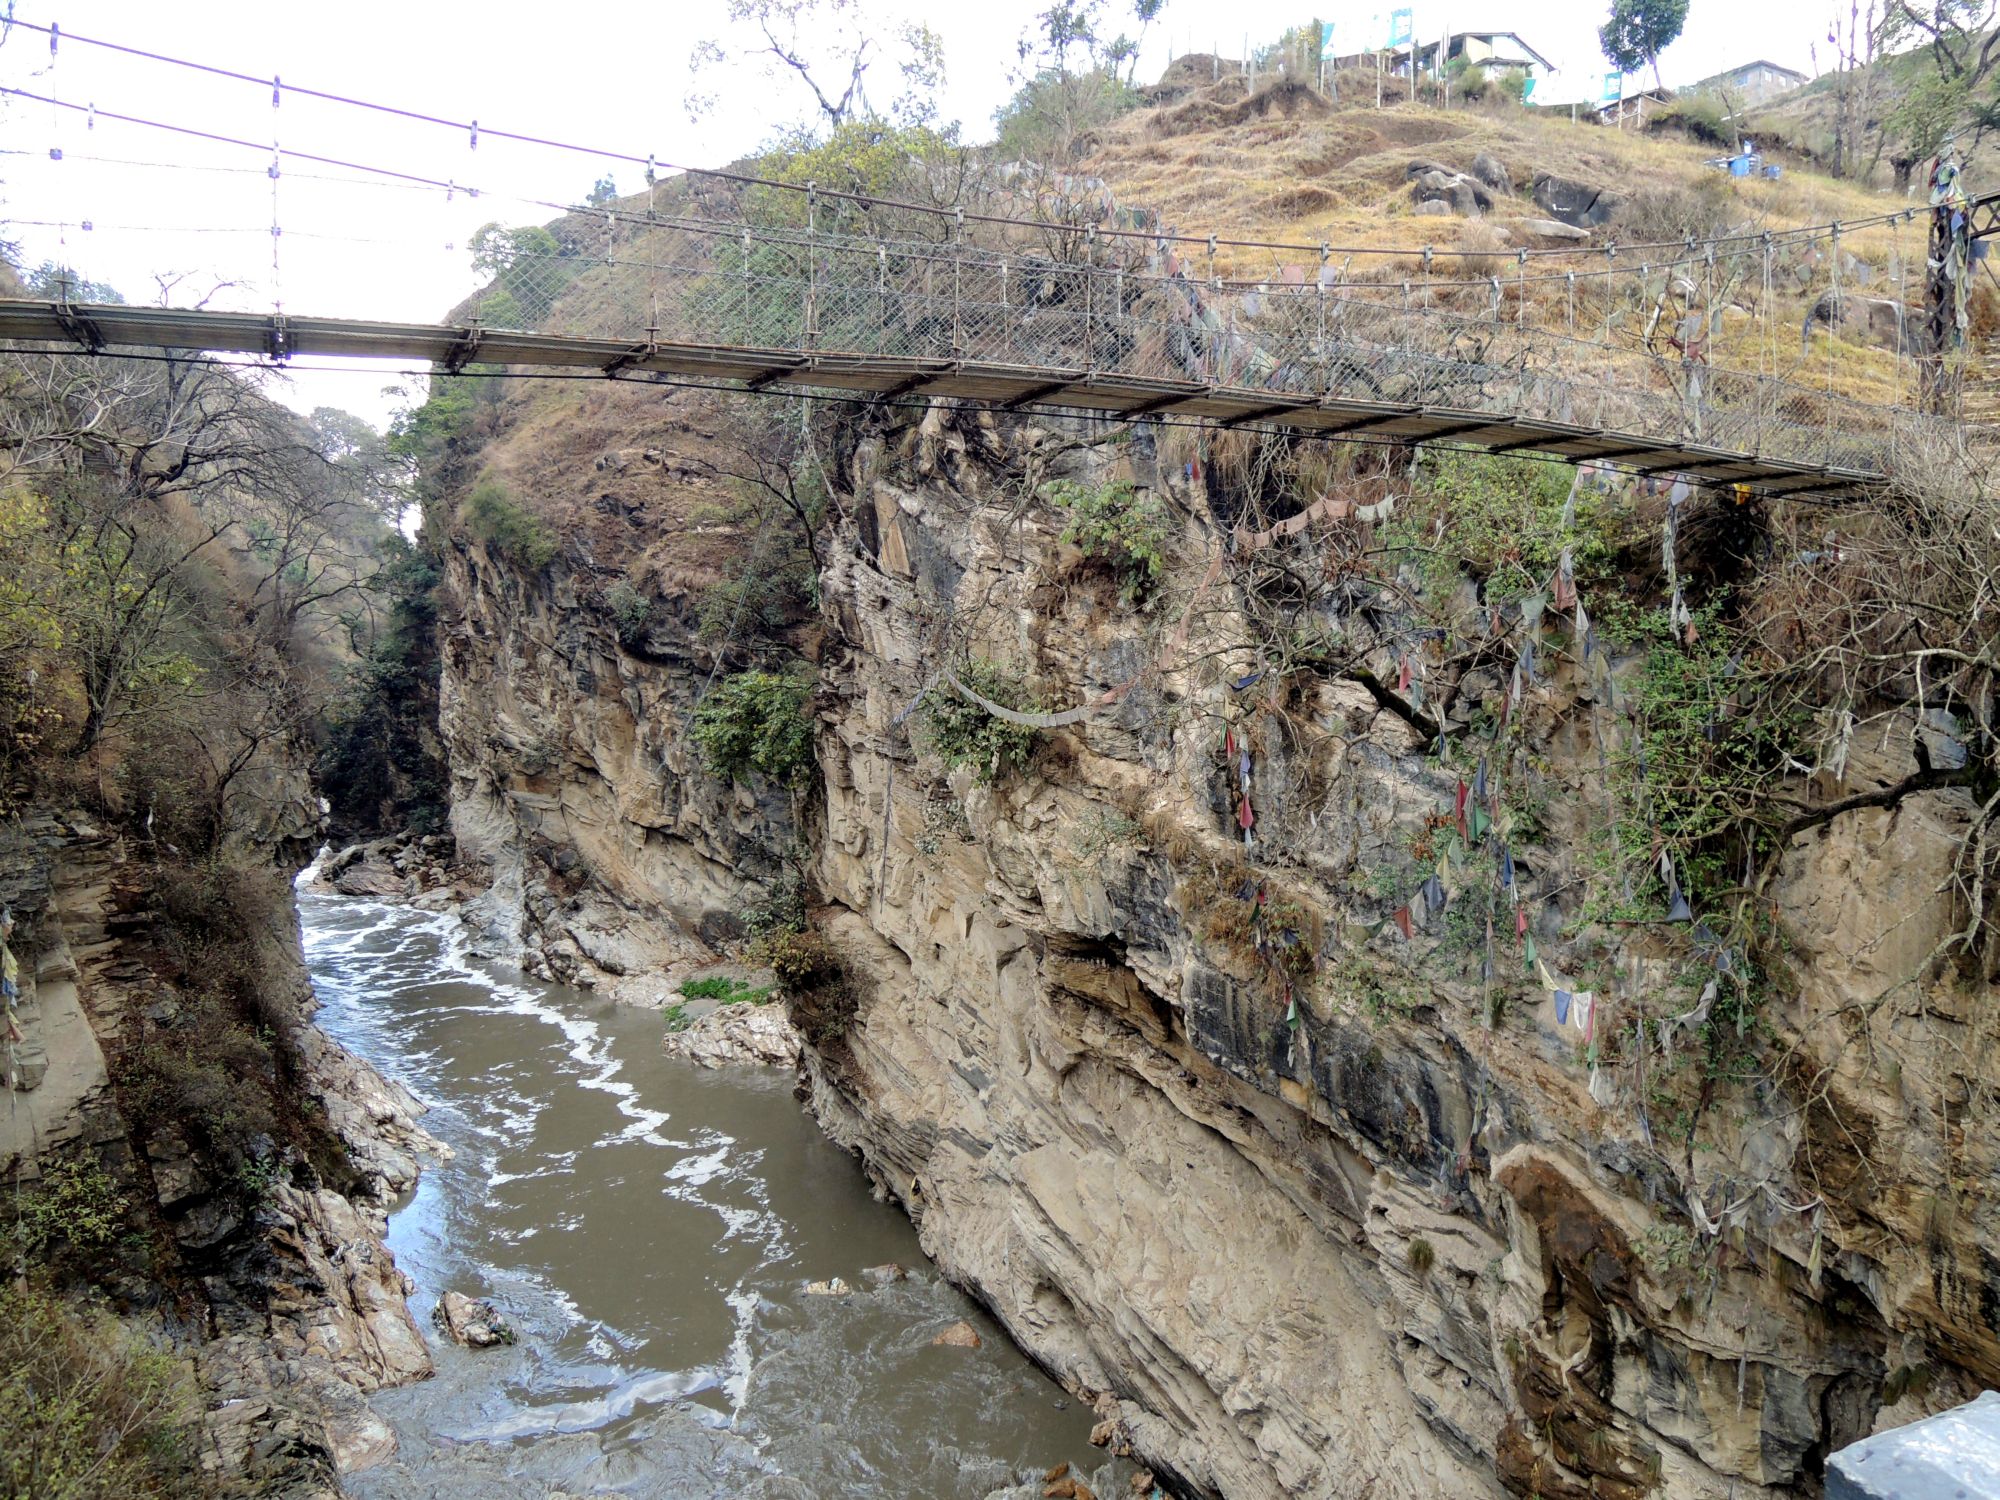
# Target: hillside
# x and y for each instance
(1384, 968)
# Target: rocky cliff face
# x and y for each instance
(1306, 1204)
(607, 852)
(291, 1305)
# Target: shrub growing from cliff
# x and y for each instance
(1501, 520)
(757, 721)
(88, 1407)
(631, 612)
(492, 515)
(1118, 527)
(964, 734)
(75, 1210)
(822, 993)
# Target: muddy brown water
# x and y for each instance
(650, 1227)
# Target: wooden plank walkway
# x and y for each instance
(102, 328)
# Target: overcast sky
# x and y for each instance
(611, 74)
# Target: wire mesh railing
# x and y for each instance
(794, 293)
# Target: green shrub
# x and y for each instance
(724, 990)
(1701, 116)
(1502, 522)
(75, 1206)
(631, 612)
(90, 1408)
(1422, 1256)
(822, 994)
(1471, 84)
(1118, 527)
(495, 517)
(1702, 763)
(757, 721)
(964, 734)
(1513, 84)
(801, 960)
(678, 1018)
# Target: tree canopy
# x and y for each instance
(1638, 31)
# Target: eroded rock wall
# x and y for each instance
(1379, 1234)
(574, 789)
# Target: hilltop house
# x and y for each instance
(1497, 51)
(1753, 83)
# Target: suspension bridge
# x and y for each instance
(784, 309)
(781, 287)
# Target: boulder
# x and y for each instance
(885, 1274)
(1467, 198)
(371, 877)
(1491, 171)
(1434, 208)
(1553, 229)
(473, 1322)
(738, 1034)
(1577, 204)
(1881, 321)
(961, 1335)
(835, 1287)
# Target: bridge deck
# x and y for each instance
(110, 328)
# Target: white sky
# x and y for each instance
(611, 74)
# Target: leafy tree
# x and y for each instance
(1920, 121)
(54, 280)
(380, 766)
(1640, 30)
(529, 267)
(603, 191)
(1074, 74)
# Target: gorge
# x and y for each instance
(1345, 967)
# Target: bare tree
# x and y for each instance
(829, 46)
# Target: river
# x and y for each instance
(649, 1228)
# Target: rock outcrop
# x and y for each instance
(1373, 1231)
(576, 796)
(1464, 194)
(473, 1322)
(303, 1306)
(1577, 204)
(757, 1034)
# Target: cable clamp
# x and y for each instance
(75, 324)
(463, 349)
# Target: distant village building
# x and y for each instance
(1496, 51)
(1753, 83)
(1635, 103)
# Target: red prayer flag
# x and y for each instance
(1403, 921)
(1244, 817)
(1520, 921)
